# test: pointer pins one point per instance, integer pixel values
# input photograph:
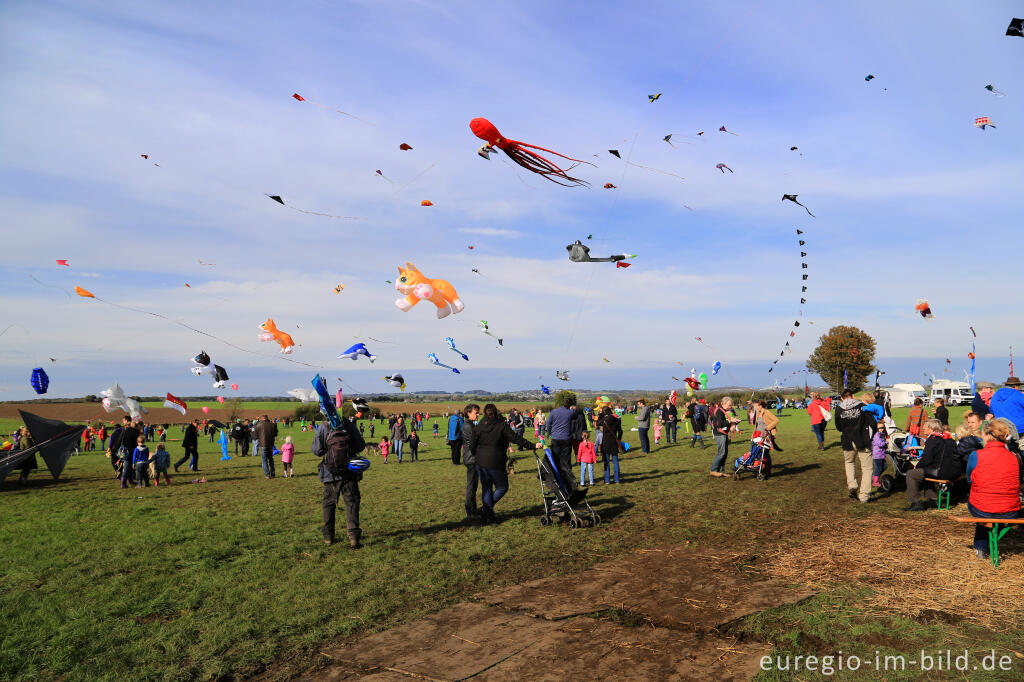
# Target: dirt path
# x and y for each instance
(671, 605)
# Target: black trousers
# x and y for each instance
(193, 452)
(348, 489)
(562, 452)
(472, 481)
(456, 446)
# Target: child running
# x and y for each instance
(385, 446)
(140, 460)
(587, 457)
(287, 453)
(878, 447)
(161, 463)
(414, 446)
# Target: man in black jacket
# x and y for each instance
(938, 460)
(670, 415)
(246, 437)
(236, 435)
(190, 441)
(857, 428)
(472, 477)
(345, 484)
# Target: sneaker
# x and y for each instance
(853, 493)
(875, 483)
(916, 507)
(981, 554)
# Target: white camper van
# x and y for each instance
(903, 395)
(954, 392)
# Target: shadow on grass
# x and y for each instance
(786, 469)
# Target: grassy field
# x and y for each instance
(228, 577)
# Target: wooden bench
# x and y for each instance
(945, 485)
(994, 533)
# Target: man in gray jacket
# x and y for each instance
(643, 423)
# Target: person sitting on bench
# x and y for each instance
(994, 473)
(939, 460)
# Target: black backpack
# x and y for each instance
(337, 455)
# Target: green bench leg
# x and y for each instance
(944, 491)
(993, 542)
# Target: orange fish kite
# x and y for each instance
(83, 293)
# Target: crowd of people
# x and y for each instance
(983, 450)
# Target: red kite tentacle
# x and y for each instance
(550, 151)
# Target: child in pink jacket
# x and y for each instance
(287, 454)
(587, 457)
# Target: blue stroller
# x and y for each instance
(758, 460)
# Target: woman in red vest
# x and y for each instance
(994, 473)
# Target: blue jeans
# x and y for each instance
(980, 531)
(587, 467)
(268, 461)
(493, 486)
(718, 463)
(671, 428)
(615, 461)
(645, 441)
(396, 448)
(879, 465)
(819, 432)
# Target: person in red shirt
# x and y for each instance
(994, 474)
(818, 409)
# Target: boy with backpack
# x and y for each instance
(336, 447)
(699, 422)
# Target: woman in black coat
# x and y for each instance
(488, 441)
(611, 435)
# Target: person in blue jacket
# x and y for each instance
(455, 437)
(1008, 403)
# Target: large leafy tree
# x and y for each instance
(562, 395)
(843, 351)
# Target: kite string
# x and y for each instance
(182, 324)
(207, 334)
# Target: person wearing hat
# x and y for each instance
(982, 397)
(1008, 403)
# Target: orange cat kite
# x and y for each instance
(417, 287)
(272, 333)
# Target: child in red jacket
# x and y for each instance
(587, 457)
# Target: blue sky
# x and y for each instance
(911, 200)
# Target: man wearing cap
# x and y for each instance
(1008, 403)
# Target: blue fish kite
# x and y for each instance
(545, 389)
(435, 360)
(715, 367)
(356, 350)
(451, 344)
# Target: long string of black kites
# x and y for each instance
(803, 299)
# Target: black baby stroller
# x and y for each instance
(556, 500)
(758, 460)
(902, 450)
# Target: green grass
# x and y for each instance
(221, 579)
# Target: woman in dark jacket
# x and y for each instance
(611, 435)
(489, 441)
